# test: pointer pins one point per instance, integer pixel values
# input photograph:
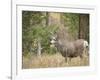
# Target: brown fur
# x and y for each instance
(69, 48)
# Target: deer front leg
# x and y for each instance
(66, 58)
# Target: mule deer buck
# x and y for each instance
(69, 49)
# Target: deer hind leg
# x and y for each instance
(70, 59)
(81, 56)
(81, 59)
(66, 59)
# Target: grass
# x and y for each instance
(54, 60)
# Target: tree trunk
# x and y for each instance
(54, 19)
(39, 48)
(84, 26)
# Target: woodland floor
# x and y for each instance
(54, 60)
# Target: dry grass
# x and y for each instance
(56, 60)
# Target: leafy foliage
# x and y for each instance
(71, 21)
(33, 30)
(43, 34)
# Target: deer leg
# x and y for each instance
(70, 59)
(66, 58)
(81, 56)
